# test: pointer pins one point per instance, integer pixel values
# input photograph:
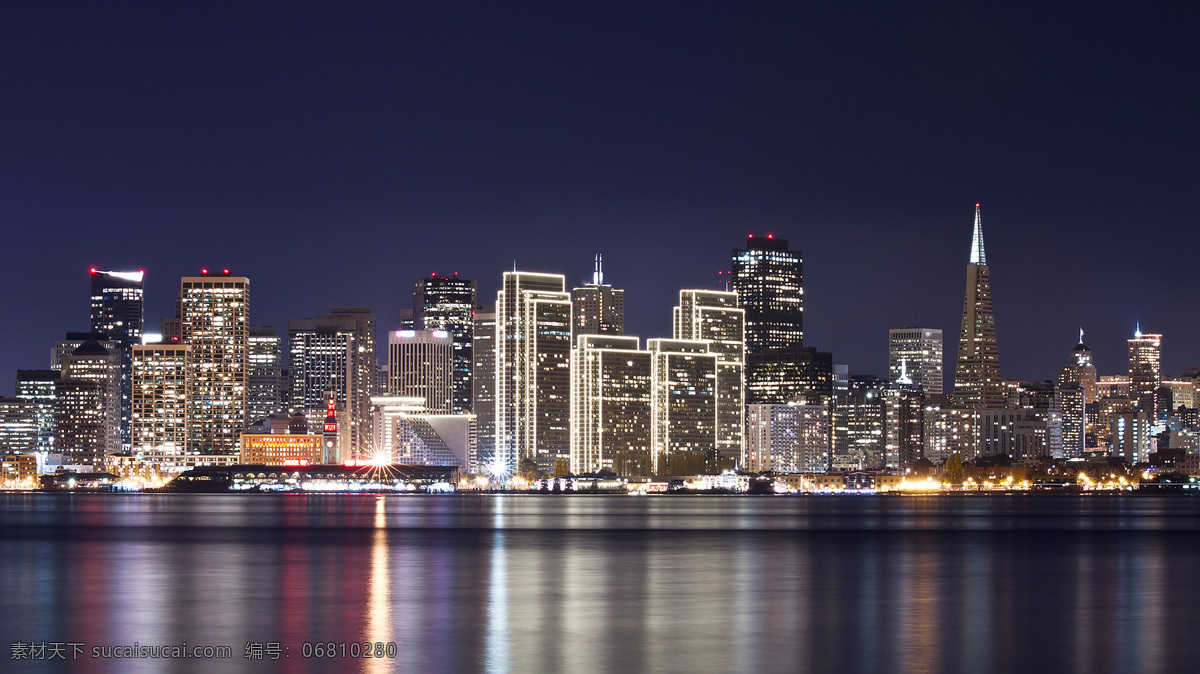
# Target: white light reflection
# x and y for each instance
(498, 637)
(379, 605)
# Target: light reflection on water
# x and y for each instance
(620, 584)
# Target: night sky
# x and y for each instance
(335, 153)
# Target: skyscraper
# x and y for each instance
(88, 405)
(336, 353)
(448, 303)
(610, 401)
(215, 323)
(599, 309)
(977, 382)
(1145, 372)
(714, 316)
(1080, 370)
(420, 364)
(117, 313)
(37, 388)
(769, 281)
(533, 365)
(264, 373)
(684, 403)
(483, 386)
(160, 407)
(915, 356)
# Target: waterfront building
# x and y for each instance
(611, 405)
(264, 375)
(117, 312)
(281, 450)
(915, 357)
(88, 405)
(684, 429)
(533, 361)
(407, 434)
(447, 303)
(714, 317)
(977, 382)
(421, 364)
(597, 308)
(18, 426)
(37, 387)
(214, 322)
(1145, 371)
(483, 386)
(787, 438)
(160, 409)
(336, 353)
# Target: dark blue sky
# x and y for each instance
(335, 153)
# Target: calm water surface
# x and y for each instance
(610, 583)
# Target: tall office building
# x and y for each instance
(977, 382)
(769, 281)
(448, 304)
(533, 362)
(714, 316)
(264, 374)
(88, 405)
(483, 386)
(37, 388)
(420, 364)
(791, 375)
(791, 438)
(215, 323)
(18, 426)
(599, 309)
(684, 432)
(336, 353)
(160, 409)
(117, 313)
(610, 405)
(915, 357)
(1080, 370)
(73, 340)
(1145, 372)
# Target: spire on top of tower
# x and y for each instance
(977, 254)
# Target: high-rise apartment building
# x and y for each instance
(420, 364)
(599, 309)
(714, 316)
(977, 382)
(336, 354)
(117, 304)
(160, 409)
(483, 386)
(915, 357)
(215, 323)
(264, 374)
(610, 405)
(684, 430)
(37, 388)
(447, 303)
(1145, 372)
(769, 281)
(533, 362)
(791, 438)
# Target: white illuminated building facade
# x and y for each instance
(610, 405)
(214, 315)
(420, 364)
(791, 438)
(713, 317)
(683, 401)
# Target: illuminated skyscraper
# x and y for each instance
(1145, 372)
(88, 405)
(420, 365)
(610, 401)
(769, 281)
(915, 357)
(448, 303)
(977, 382)
(117, 313)
(533, 365)
(18, 426)
(215, 323)
(792, 438)
(599, 309)
(37, 388)
(684, 402)
(160, 403)
(336, 353)
(265, 374)
(483, 386)
(714, 317)
(1079, 370)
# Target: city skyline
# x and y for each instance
(447, 142)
